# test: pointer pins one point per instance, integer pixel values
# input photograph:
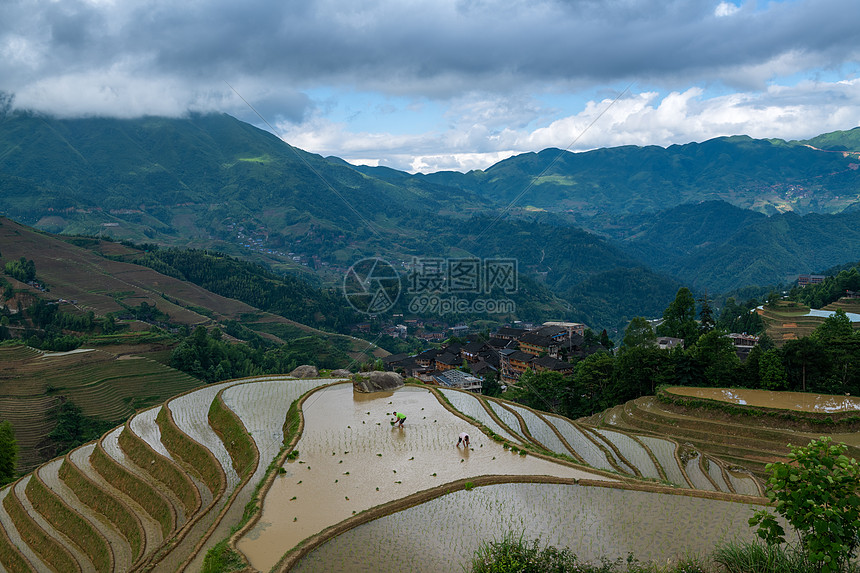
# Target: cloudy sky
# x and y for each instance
(426, 85)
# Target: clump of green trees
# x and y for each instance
(208, 356)
(827, 361)
(8, 452)
(24, 270)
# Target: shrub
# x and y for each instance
(513, 553)
(817, 493)
(758, 558)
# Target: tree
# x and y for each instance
(8, 452)
(592, 376)
(706, 315)
(717, 355)
(771, 372)
(837, 325)
(545, 390)
(806, 362)
(490, 385)
(605, 341)
(817, 494)
(638, 371)
(638, 333)
(679, 318)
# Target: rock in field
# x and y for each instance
(305, 371)
(341, 373)
(376, 381)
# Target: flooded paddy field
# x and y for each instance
(351, 459)
(802, 401)
(442, 534)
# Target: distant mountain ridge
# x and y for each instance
(212, 181)
(764, 175)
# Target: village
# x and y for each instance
(466, 361)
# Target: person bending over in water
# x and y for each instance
(399, 418)
(463, 439)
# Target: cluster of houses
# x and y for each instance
(508, 353)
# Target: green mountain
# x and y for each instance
(213, 182)
(764, 175)
(848, 141)
(717, 247)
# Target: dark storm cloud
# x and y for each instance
(406, 45)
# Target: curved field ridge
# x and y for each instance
(143, 424)
(261, 404)
(540, 430)
(470, 405)
(143, 531)
(190, 413)
(39, 534)
(594, 522)
(664, 451)
(509, 419)
(633, 451)
(580, 442)
(64, 511)
(15, 538)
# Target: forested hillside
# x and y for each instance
(213, 182)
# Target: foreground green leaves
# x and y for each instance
(817, 494)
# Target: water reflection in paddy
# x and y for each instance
(351, 459)
(806, 402)
(442, 535)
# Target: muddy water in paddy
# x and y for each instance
(822, 403)
(594, 522)
(351, 459)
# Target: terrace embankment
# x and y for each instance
(746, 428)
(33, 384)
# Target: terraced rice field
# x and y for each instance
(157, 492)
(736, 442)
(594, 522)
(33, 384)
(470, 405)
(801, 401)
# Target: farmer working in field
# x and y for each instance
(463, 439)
(399, 418)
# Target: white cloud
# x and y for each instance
(724, 9)
(647, 118)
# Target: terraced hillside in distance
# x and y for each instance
(736, 426)
(103, 385)
(788, 320)
(95, 275)
(325, 472)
